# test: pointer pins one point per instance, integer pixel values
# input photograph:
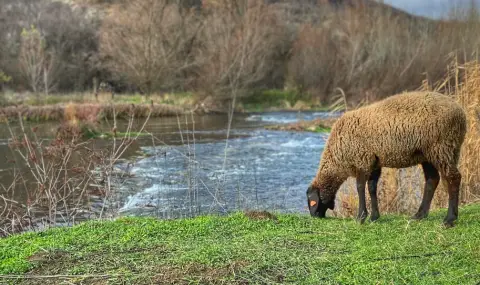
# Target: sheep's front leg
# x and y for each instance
(372, 189)
(362, 206)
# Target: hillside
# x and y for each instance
(295, 6)
(249, 249)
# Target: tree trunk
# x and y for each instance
(95, 87)
(45, 80)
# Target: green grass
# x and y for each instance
(178, 98)
(257, 101)
(295, 249)
(318, 129)
(266, 100)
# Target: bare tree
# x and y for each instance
(240, 42)
(69, 34)
(37, 64)
(4, 78)
(148, 42)
(373, 54)
(32, 57)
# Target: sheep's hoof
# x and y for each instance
(419, 216)
(448, 222)
(361, 221)
(361, 218)
(448, 225)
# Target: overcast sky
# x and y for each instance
(429, 8)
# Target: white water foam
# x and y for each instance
(291, 117)
(266, 162)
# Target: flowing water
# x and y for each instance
(198, 172)
(189, 167)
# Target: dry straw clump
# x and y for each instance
(468, 94)
(400, 190)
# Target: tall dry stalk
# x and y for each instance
(463, 82)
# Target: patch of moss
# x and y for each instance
(318, 129)
(261, 100)
(109, 135)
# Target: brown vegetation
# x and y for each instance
(149, 43)
(63, 45)
(260, 215)
(239, 45)
(59, 174)
(223, 48)
(375, 53)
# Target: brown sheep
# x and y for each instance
(400, 131)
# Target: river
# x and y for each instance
(188, 168)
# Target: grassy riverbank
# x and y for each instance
(52, 107)
(319, 125)
(239, 249)
(279, 100)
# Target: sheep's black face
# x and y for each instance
(317, 207)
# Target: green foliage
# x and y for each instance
(33, 36)
(265, 99)
(319, 129)
(295, 249)
(89, 131)
(4, 78)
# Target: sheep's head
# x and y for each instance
(318, 207)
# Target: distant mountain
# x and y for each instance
(370, 5)
(367, 5)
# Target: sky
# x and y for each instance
(429, 8)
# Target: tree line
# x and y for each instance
(224, 47)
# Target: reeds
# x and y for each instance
(464, 83)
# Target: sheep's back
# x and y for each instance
(400, 130)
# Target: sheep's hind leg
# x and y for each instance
(431, 182)
(362, 206)
(372, 189)
(453, 179)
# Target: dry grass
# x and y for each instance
(469, 97)
(372, 53)
(400, 190)
(88, 107)
(88, 111)
(260, 215)
(317, 125)
(103, 97)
